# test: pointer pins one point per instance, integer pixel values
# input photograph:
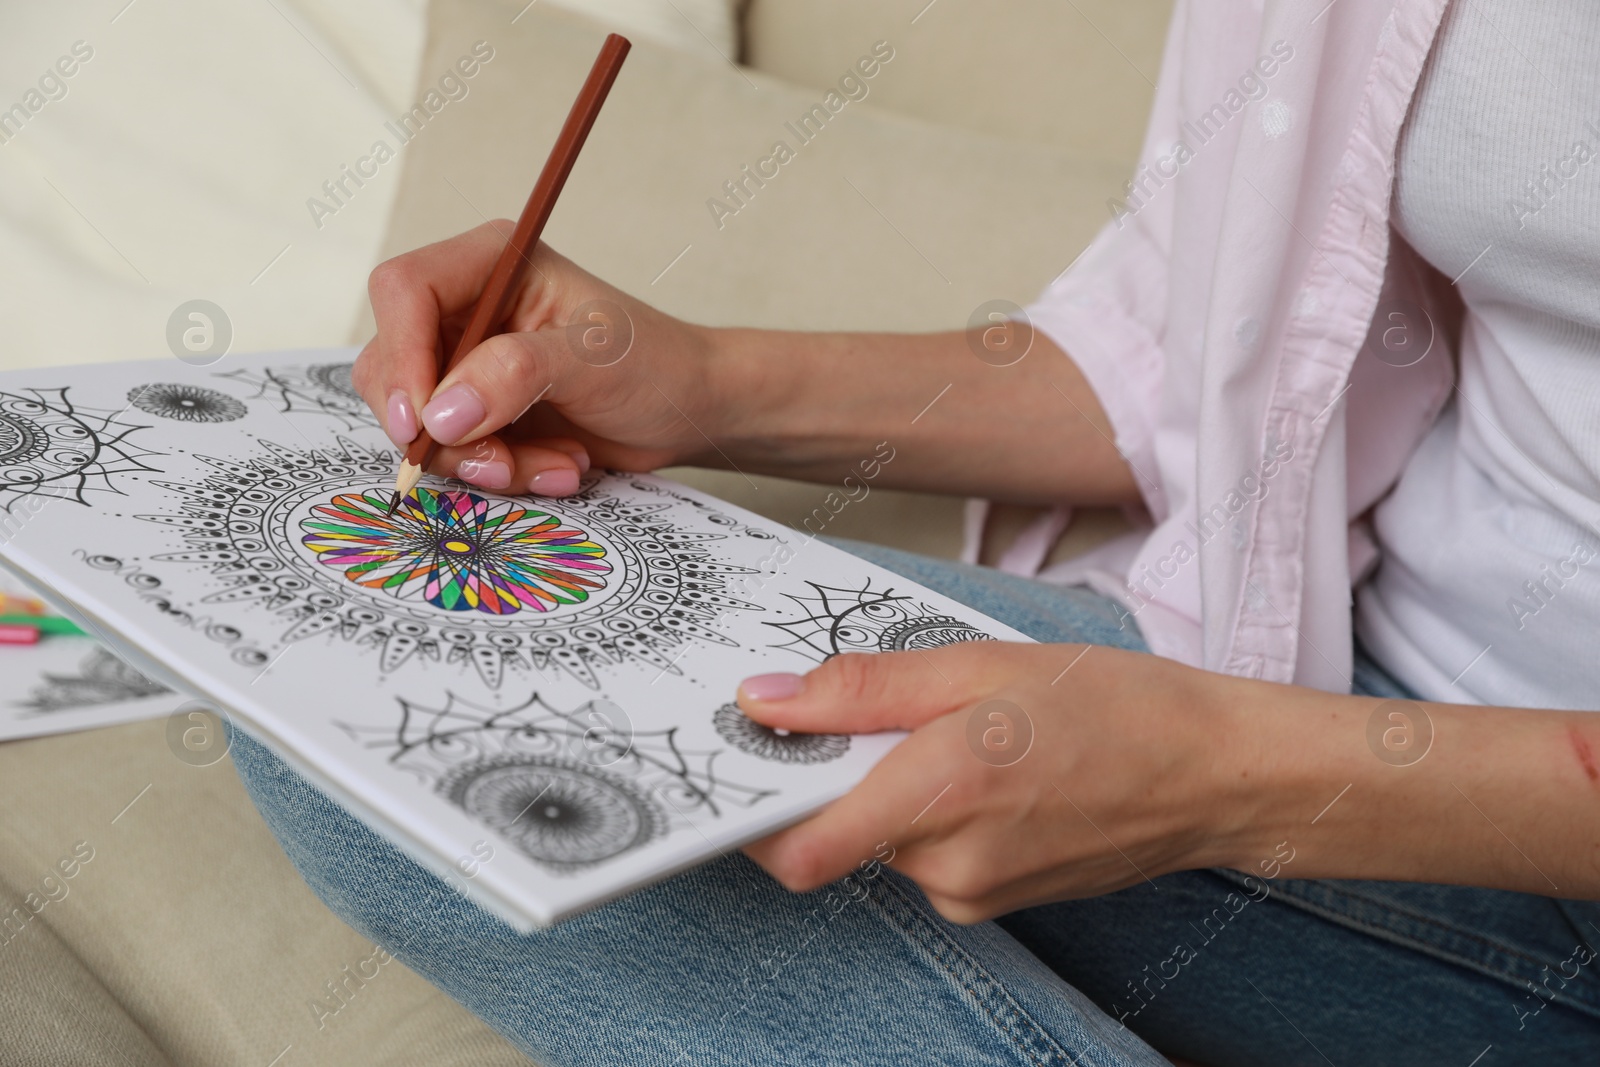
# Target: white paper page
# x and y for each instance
(73, 683)
(544, 683)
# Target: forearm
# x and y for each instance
(1506, 798)
(809, 406)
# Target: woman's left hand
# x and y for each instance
(1033, 773)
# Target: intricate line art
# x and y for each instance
(334, 379)
(185, 403)
(565, 787)
(274, 530)
(457, 551)
(710, 514)
(560, 812)
(150, 591)
(102, 678)
(318, 389)
(868, 620)
(779, 746)
(50, 448)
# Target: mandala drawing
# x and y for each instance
(458, 551)
(51, 449)
(570, 789)
(779, 746)
(102, 678)
(560, 812)
(581, 585)
(185, 403)
(318, 389)
(709, 513)
(334, 380)
(868, 620)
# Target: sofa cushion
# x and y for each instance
(157, 922)
(1078, 74)
(709, 28)
(176, 163)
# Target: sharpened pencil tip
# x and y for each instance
(394, 502)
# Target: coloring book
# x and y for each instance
(532, 697)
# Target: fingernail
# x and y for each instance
(492, 474)
(771, 686)
(558, 481)
(402, 421)
(579, 454)
(453, 413)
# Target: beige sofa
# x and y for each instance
(977, 167)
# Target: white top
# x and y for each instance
(1489, 588)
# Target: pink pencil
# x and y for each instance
(19, 635)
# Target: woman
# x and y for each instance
(1296, 834)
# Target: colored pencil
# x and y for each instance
(19, 635)
(488, 315)
(45, 624)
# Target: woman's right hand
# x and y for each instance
(585, 374)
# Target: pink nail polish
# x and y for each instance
(402, 421)
(581, 457)
(452, 414)
(766, 687)
(558, 481)
(485, 475)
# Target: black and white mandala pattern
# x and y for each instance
(562, 813)
(246, 524)
(52, 449)
(778, 746)
(333, 379)
(569, 788)
(185, 403)
(711, 514)
(317, 389)
(868, 620)
(102, 678)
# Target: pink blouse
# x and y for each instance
(1268, 351)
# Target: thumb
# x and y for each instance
(862, 693)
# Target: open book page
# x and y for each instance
(531, 696)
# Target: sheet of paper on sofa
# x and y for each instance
(63, 684)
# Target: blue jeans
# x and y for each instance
(722, 966)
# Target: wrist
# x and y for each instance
(757, 394)
(716, 391)
(1284, 753)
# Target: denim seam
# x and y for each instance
(1368, 920)
(1002, 1011)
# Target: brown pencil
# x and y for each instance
(492, 307)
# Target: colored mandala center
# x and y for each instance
(458, 551)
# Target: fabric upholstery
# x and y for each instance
(1078, 75)
(187, 938)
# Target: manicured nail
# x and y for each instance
(453, 413)
(491, 474)
(402, 421)
(766, 687)
(558, 481)
(579, 454)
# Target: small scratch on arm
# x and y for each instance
(1585, 754)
